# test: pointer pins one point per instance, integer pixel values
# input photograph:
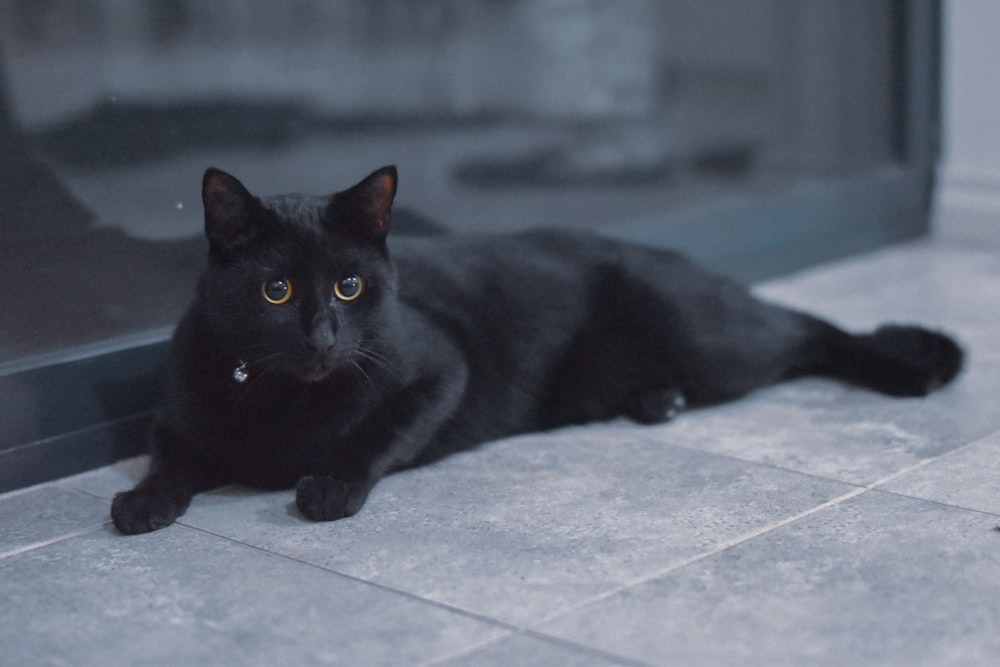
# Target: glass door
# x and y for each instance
(759, 136)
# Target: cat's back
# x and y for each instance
(494, 275)
(543, 268)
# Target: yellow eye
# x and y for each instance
(349, 288)
(276, 291)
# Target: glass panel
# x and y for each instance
(499, 115)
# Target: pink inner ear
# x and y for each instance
(212, 188)
(384, 182)
(385, 186)
(382, 190)
(222, 194)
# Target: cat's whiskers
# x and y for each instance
(357, 357)
(264, 365)
(376, 359)
(363, 373)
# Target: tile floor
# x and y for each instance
(811, 523)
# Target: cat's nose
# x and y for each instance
(322, 338)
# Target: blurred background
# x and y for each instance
(760, 136)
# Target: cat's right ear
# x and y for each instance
(230, 211)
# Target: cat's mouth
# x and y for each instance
(316, 371)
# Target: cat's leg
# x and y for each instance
(720, 342)
(166, 491)
(387, 441)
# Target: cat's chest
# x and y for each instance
(281, 421)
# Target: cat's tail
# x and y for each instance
(898, 360)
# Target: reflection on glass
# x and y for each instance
(498, 114)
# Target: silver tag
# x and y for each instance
(240, 374)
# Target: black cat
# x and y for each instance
(309, 358)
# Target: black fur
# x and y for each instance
(455, 341)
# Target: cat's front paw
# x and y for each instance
(146, 510)
(323, 498)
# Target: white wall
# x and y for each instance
(968, 197)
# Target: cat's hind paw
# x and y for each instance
(654, 406)
(324, 498)
(927, 360)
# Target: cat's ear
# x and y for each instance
(231, 212)
(366, 208)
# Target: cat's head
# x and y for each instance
(298, 286)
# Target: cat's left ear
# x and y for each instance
(366, 208)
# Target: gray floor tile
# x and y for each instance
(526, 527)
(954, 288)
(180, 597)
(879, 579)
(45, 513)
(969, 477)
(107, 481)
(824, 428)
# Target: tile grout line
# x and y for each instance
(504, 625)
(51, 540)
(707, 554)
(746, 537)
(508, 629)
(693, 559)
(935, 459)
(614, 658)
